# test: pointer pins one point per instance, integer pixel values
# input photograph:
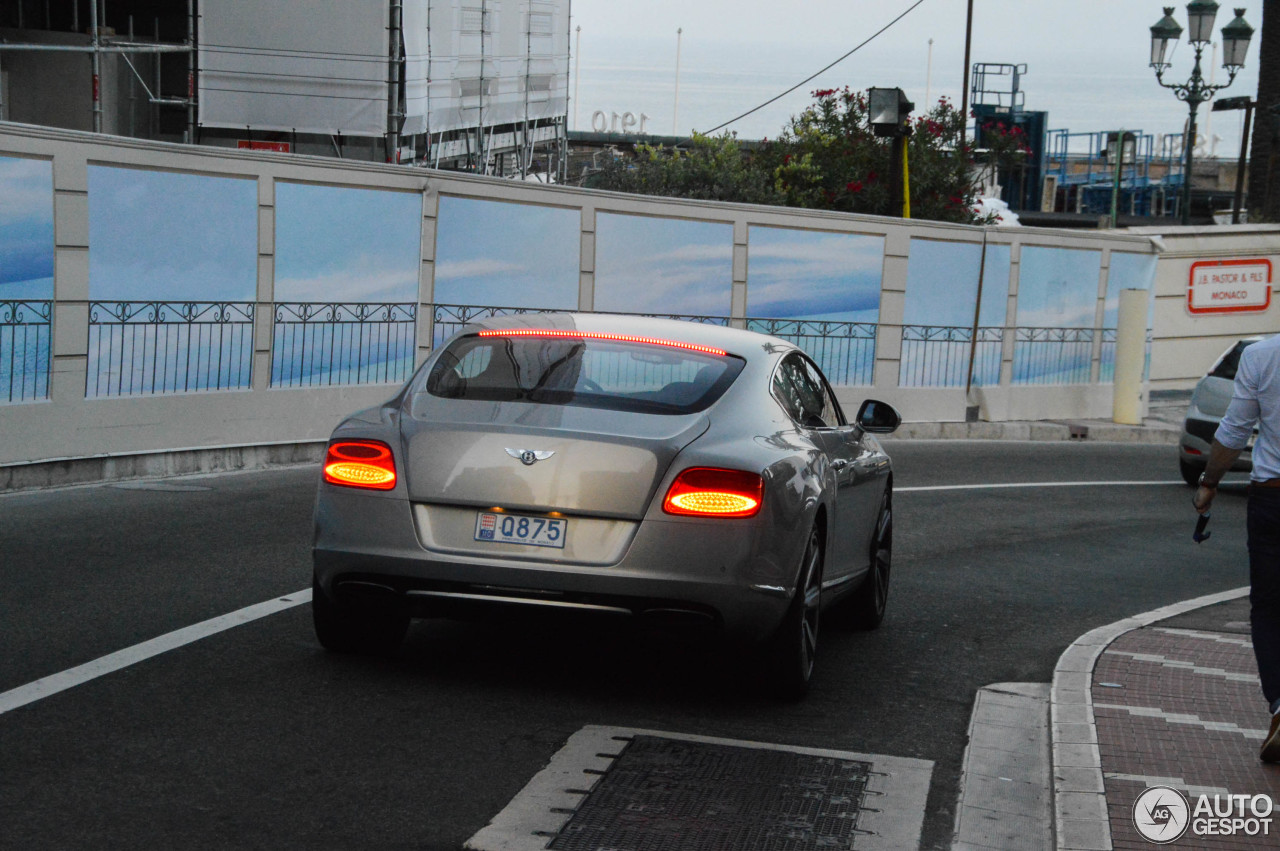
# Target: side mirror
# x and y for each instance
(875, 417)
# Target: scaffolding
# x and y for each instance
(411, 81)
(103, 40)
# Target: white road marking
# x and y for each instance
(1032, 485)
(46, 686)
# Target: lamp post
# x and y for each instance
(1195, 91)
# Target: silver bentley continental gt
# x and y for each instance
(638, 467)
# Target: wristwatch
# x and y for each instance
(1202, 483)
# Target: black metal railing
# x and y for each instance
(150, 347)
(330, 343)
(25, 344)
(845, 351)
(1053, 355)
(938, 355)
(1107, 365)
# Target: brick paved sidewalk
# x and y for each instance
(1178, 704)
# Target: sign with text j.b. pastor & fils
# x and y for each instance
(1229, 286)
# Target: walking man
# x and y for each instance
(1256, 401)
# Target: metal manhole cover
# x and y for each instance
(665, 793)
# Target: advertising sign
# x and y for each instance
(1229, 286)
(278, 147)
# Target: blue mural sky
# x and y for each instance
(164, 235)
(506, 255)
(336, 243)
(1129, 271)
(26, 228)
(652, 265)
(942, 283)
(794, 274)
(1058, 287)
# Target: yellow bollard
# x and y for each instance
(1131, 357)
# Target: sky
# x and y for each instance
(26, 228)
(1087, 60)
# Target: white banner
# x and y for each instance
(321, 66)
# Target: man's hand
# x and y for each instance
(1203, 498)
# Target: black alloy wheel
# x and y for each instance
(867, 605)
(795, 645)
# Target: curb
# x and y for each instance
(1080, 815)
(1075, 432)
(65, 472)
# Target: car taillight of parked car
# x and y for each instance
(360, 464)
(712, 492)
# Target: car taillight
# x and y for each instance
(712, 492)
(360, 464)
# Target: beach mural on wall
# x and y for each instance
(497, 254)
(938, 313)
(1057, 306)
(173, 270)
(663, 266)
(1128, 271)
(821, 291)
(346, 285)
(26, 278)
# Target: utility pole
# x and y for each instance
(964, 83)
(675, 113)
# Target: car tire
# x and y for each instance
(1190, 472)
(370, 627)
(866, 606)
(794, 646)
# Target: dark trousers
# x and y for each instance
(1264, 582)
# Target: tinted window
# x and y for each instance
(801, 391)
(624, 376)
(1230, 362)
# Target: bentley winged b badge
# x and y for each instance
(529, 457)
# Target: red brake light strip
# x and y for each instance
(595, 335)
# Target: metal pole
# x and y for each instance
(1115, 185)
(977, 316)
(1240, 166)
(191, 72)
(577, 74)
(97, 66)
(1190, 145)
(964, 84)
(928, 77)
(675, 113)
(393, 87)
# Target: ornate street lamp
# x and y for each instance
(1195, 91)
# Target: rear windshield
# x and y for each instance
(1226, 368)
(624, 376)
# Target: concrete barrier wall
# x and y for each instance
(69, 425)
(1184, 344)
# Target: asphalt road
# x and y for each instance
(255, 738)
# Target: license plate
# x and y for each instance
(521, 529)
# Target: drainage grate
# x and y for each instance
(665, 793)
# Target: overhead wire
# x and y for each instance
(816, 74)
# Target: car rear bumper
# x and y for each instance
(1196, 440)
(722, 573)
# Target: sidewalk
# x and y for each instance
(1162, 425)
(1170, 698)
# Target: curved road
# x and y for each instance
(254, 737)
